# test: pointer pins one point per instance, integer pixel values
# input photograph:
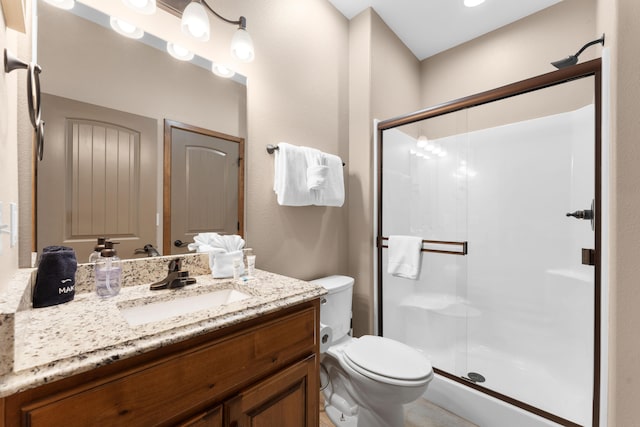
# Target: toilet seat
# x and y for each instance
(388, 361)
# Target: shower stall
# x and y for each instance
(504, 189)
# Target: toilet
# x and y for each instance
(365, 380)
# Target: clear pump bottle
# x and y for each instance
(108, 272)
(97, 249)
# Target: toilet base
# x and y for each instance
(339, 419)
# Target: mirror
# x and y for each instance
(94, 68)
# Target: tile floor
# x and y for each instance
(420, 413)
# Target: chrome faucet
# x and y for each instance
(176, 277)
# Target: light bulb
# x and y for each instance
(222, 71)
(147, 7)
(242, 45)
(179, 52)
(422, 141)
(195, 21)
(125, 28)
(473, 3)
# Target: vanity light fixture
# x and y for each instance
(222, 71)
(179, 52)
(473, 3)
(147, 7)
(62, 4)
(195, 22)
(125, 28)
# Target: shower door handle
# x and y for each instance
(588, 256)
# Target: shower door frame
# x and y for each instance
(591, 68)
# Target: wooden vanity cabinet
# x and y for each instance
(260, 372)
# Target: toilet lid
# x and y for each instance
(388, 358)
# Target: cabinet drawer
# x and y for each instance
(159, 392)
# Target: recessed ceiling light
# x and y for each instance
(473, 3)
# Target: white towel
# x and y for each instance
(404, 256)
(317, 170)
(305, 176)
(290, 176)
(222, 250)
(221, 264)
(333, 192)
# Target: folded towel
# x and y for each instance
(56, 277)
(221, 264)
(214, 242)
(404, 256)
(290, 176)
(333, 192)
(317, 170)
(222, 250)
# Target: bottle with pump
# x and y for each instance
(108, 272)
(97, 249)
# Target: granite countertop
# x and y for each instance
(55, 342)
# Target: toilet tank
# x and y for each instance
(335, 307)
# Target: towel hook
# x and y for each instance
(11, 63)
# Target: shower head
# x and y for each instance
(573, 59)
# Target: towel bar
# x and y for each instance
(271, 148)
(463, 246)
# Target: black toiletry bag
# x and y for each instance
(56, 276)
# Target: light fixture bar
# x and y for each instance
(241, 22)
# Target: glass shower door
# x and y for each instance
(514, 180)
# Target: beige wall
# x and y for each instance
(620, 19)
(13, 122)
(384, 81)
(297, 93)
(515, 52)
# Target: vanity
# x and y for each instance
(251, 359)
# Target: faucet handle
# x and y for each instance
(175, 265)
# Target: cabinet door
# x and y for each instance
(212, 418)
(287, 399)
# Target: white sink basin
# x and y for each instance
(162, 310)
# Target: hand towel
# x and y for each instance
(222, 250)
(221, 264)
(56, 277)
(333, 193)
(290, 176)
(317, 170)
(208, 242)
(404, 256)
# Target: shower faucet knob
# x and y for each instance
(585, 214)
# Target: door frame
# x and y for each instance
(591, 68)
(169, 125)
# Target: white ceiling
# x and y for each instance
(428, 27)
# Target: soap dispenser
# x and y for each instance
(108, 271)
(97, 249)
